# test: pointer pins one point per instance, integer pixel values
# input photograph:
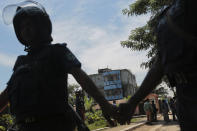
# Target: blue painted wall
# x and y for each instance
(112, 85)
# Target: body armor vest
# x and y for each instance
(38, 84)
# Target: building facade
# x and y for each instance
(115, 84)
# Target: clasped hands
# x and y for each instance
(122, 114)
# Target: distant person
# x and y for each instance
(173, 108)
(148, 109)
(165, 110)
(114, 103)
(80, 108)
(154, 112)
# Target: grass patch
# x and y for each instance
(97, 125)
(134, 120)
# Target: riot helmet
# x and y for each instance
(35, 14)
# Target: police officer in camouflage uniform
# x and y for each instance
(177, 53)
(37, 89)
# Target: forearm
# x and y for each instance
(152, 79)
(88, 85)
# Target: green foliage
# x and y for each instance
(138, 8)
(143, 38)
(127, 98)
(2, 128)
(89, 103)
(97, 125)
(91, 117)
(6, 120)
(95, 119)
(134, 120)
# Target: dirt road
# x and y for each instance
(160, 125)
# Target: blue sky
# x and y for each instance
(92, 29)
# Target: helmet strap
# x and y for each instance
(27, 48)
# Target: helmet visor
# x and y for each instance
(10, 10)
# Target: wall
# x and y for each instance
(99, 81)
(120, 81)
(128, 82)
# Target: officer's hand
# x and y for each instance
(110, 112)
(126, 112)
(109, 120)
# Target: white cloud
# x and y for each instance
(81, 6)
(7, 60)
(96, 34)
(110, 54)
(99, 46)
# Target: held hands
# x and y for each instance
(110, 113)
(122, 114)
(126, 111)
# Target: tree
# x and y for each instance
(71, 93)
(143, 38)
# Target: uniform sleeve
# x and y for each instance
(67, 58)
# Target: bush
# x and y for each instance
(95, 120)
(6, 121)
(2, 128)
(92, 117)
